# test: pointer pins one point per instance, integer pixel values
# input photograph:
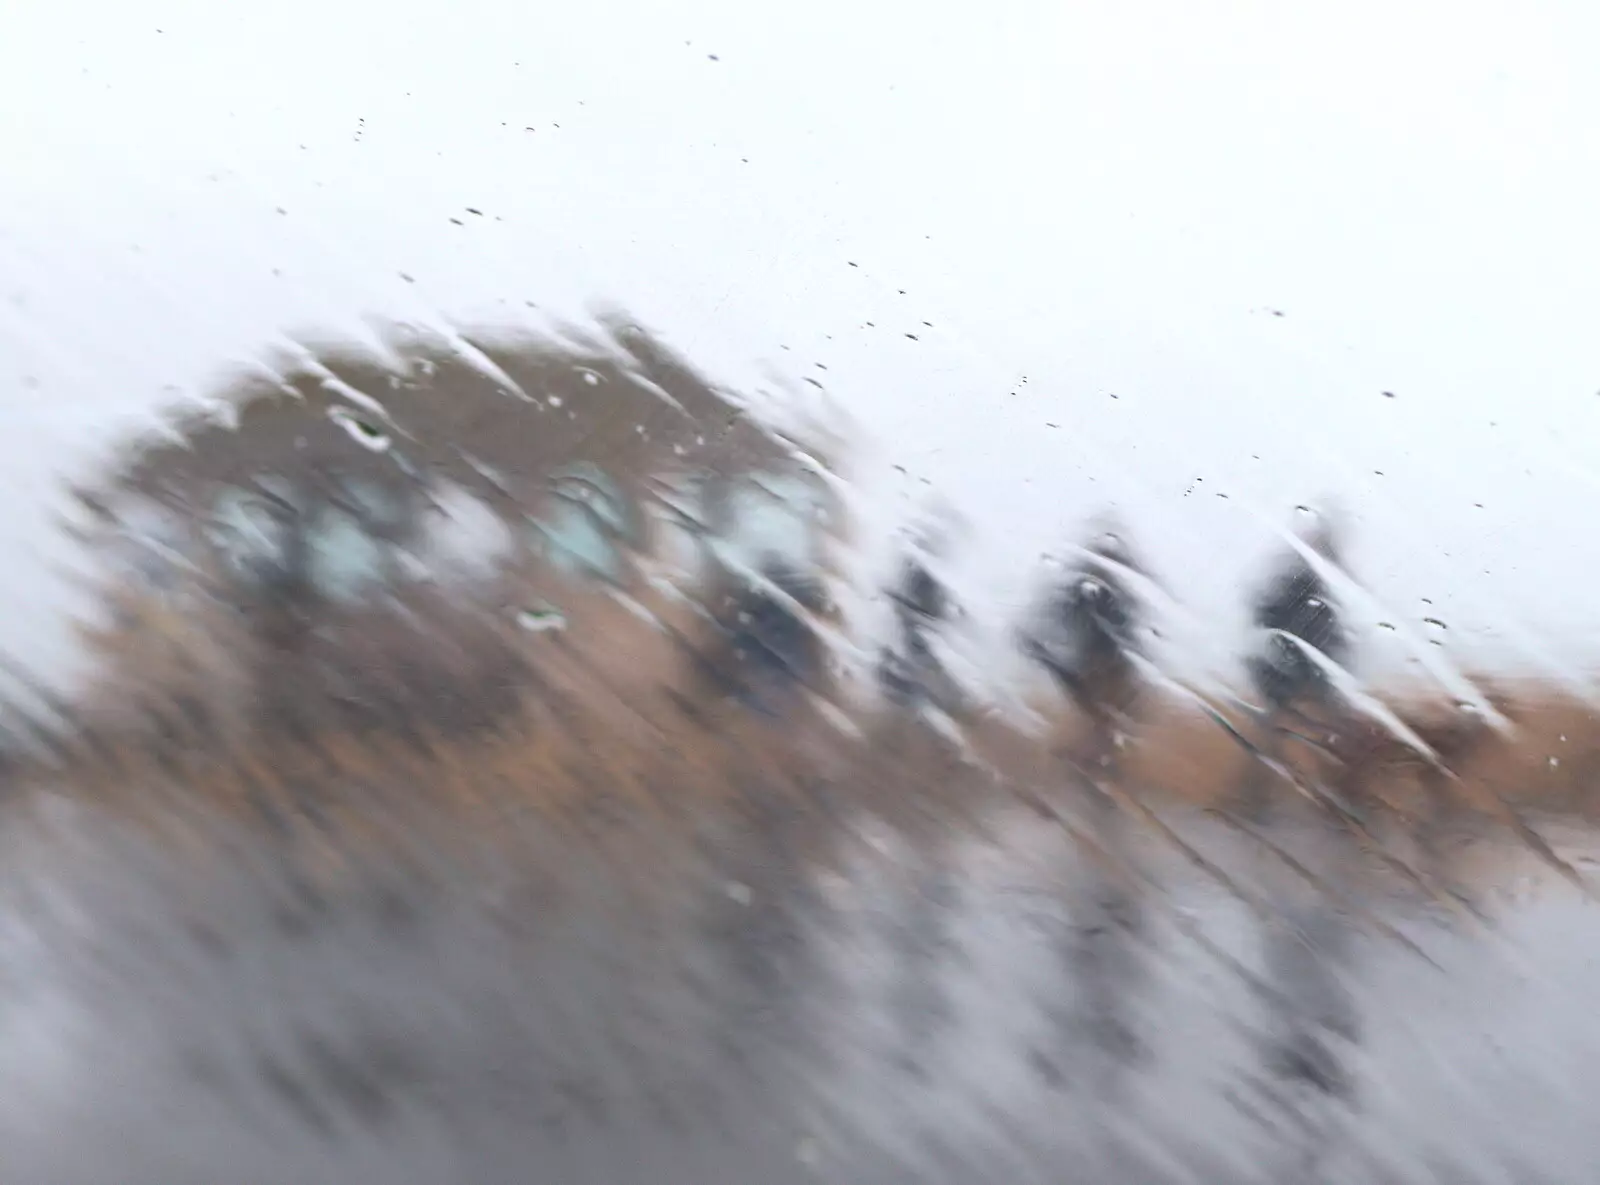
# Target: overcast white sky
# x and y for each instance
(1089, 215)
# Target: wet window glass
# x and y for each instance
(678, 513)
(717, 594)
(148, 546)
(586, 526)
(251, 527)
(775, 515)
(348, 557)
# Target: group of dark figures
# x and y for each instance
(1087, 635)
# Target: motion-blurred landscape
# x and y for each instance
(1044, 631)
(490, 766)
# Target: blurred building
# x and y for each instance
(589, 494)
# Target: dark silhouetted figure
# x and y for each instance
(1087, 636)
(1088, 639)
(282, 603)
(771, 649)
(909, 672)
(1294, 611)
(766, 654)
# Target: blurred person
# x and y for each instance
(1294, 613)
(909, 671)
(1086, 635)
(771, 650)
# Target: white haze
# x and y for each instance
(1054, 258)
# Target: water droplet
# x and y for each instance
(1554, 762)
(591, 378)
(555, 401)
(540, 621)
(363, 432)
(739, 892)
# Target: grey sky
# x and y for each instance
(1095, 212)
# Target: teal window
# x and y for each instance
(586, 525)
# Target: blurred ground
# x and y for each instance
(589, 945)
(519, 1007)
